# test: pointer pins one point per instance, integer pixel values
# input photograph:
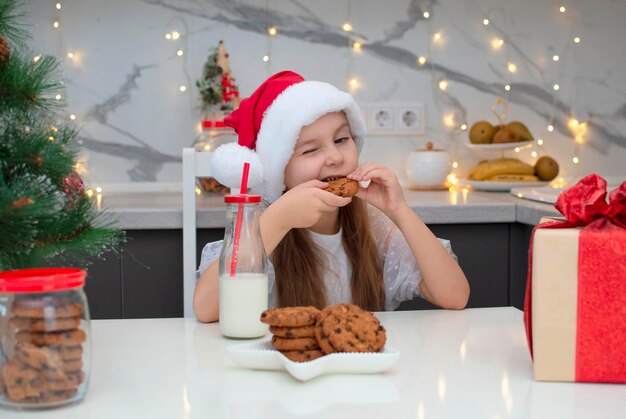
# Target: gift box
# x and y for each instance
(575, 306)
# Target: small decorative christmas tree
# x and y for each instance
(218, 92)
(45, 215)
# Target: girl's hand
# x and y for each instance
(384, 191)
(304, 205)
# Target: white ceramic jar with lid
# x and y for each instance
(428, 168)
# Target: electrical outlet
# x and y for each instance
(381, 118)
(394, 118)
(410, 118)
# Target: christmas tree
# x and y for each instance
(218, 91)
(45, 216)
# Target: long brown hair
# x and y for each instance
(299, 267)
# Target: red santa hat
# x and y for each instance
(268, 124)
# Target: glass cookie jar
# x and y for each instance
(46, 347)
(214, 134)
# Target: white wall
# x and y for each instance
(123, 84)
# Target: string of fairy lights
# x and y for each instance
(498, 44)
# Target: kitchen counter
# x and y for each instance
(453, 364)
(147, 211)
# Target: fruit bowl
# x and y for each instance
(500, 146)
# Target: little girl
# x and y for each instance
(371, 250)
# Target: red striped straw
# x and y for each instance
(242, 191)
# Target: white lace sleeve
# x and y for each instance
(211, 253)
(401, 273)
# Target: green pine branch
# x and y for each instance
(45, 216)
(11, 27)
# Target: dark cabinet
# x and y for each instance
(145, 277)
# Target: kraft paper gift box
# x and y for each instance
(575, 307)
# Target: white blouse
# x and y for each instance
(401, 273)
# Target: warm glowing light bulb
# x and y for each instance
(99, 189)
(168, 36)
(70, 55)
(448, 120)
(485, 21)
(175, 35)
(497, 43)
(555, 58)
(183, 88)
(517, 149)
(51, 138)
(437, 37)
(512, 67)
(463, 127)
(455, 164)
(443, 85)
(534, 154)
(180, 52)
(421, 60)
(577, 40)
(556, 86)
(550, 128)
(56, 24)
(347, 27)
(198, 191)
(562, 9)
(266, 58)
(58, 97)
(576, 160)
(272, 31)
(89, 192)
(354, 83)
(507, 87)
(573, 123)
(36, 58)
(426, 15)
(58, 6)
(356, 46)
(73, 117)
(540, 141)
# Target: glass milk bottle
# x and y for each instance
(242, 270)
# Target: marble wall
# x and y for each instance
(123, 82)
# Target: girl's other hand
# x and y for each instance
(304, 205)
(384, 190)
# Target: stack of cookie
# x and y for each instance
(46, 360)
(349, 328)
(305, 333)
(294, 332)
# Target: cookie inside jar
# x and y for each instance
(46, 347)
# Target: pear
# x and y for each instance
(546, 168)
(521, 130)
(481, 133)
(505, 135)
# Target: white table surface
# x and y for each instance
(466, 364)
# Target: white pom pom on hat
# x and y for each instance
(268, 124)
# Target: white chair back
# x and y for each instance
(195, 164)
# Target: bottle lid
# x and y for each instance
(242, 199)
(41, 280)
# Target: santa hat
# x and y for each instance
(268, 124)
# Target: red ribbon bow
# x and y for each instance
(585, 202)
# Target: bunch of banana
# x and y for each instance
(503, 170)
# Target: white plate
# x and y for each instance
(547, 195)
(500, 146)
(262, 356)
(481, 185)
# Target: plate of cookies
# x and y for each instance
(307, 343)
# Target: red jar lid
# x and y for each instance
(242, 199)
(41, 280)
